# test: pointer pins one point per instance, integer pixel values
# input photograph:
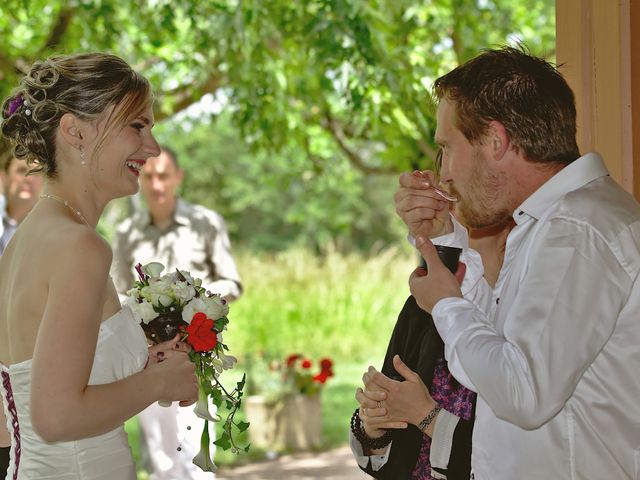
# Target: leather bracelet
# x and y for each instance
(365, 440)
(431, 416)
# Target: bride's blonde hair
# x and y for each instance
(84, 85)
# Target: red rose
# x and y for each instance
(306, 363)
(202, 337)
(291, 359)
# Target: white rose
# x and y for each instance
(216, 307)
(187, 277)
(183, 292)
(159, 292)
(190, 309)
(143, 312)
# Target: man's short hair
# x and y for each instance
(526, 94)
(172, 155)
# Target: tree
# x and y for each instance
(326, 76)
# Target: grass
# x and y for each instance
(338, 306)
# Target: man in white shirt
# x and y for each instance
(553, 350)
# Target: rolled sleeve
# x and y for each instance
(442, 440)
(377, 461)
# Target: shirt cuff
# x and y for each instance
(442, 439)
(377, 461)
(458, 238)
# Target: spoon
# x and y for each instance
(446, 195)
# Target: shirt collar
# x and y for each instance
(180, 215)
(575, 175)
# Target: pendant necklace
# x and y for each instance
(66, 204)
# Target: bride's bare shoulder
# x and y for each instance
(60, 245)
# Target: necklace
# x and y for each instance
(66, 204)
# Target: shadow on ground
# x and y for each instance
(337, 464)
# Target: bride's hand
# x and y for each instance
(157, 352)
(177, 375)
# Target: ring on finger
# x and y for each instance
(379, 404)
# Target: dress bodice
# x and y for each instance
(121, 351)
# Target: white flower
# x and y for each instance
(189, 279)
(159, 292)
(228, 361)
(216, 307)
(190, 309)
(143, 312)
(204, 461)
(217, 364)
(153, 269)
(202, 408)
(183, 292)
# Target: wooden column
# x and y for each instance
(598, 42)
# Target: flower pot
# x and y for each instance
(293, 423)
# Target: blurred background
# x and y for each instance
(292, 119)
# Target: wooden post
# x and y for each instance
(597, 44)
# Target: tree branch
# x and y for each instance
(185, 95)
(335, 129)
(58, 30)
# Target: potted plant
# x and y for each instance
(284, 402)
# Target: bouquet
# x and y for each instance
(293, 375)
(176, 303)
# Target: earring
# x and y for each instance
(83, 161)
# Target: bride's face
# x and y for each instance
(120, 155)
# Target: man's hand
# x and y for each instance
(418, 205)
(430, 287)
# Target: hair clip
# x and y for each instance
(16, 103)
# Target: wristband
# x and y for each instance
(431, 416)
(361, 435)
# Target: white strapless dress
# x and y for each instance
(121, 351)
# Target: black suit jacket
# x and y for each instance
(419, 345)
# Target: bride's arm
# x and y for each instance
(63, 406)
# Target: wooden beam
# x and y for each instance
(598, 44)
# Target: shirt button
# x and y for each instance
(497, 300)
(472, 476)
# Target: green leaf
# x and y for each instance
(242, 426)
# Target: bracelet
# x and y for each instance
(361, 435)
(431, 416)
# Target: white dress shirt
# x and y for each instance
(553, 351)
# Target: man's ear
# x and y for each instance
(498, 139)
(71, 128)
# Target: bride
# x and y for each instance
(72, 362)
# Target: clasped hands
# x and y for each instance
(177, 367)
(386, 403)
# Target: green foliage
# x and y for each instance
(316, 78)
(318, 97)
(271, 201)
(341, 306)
